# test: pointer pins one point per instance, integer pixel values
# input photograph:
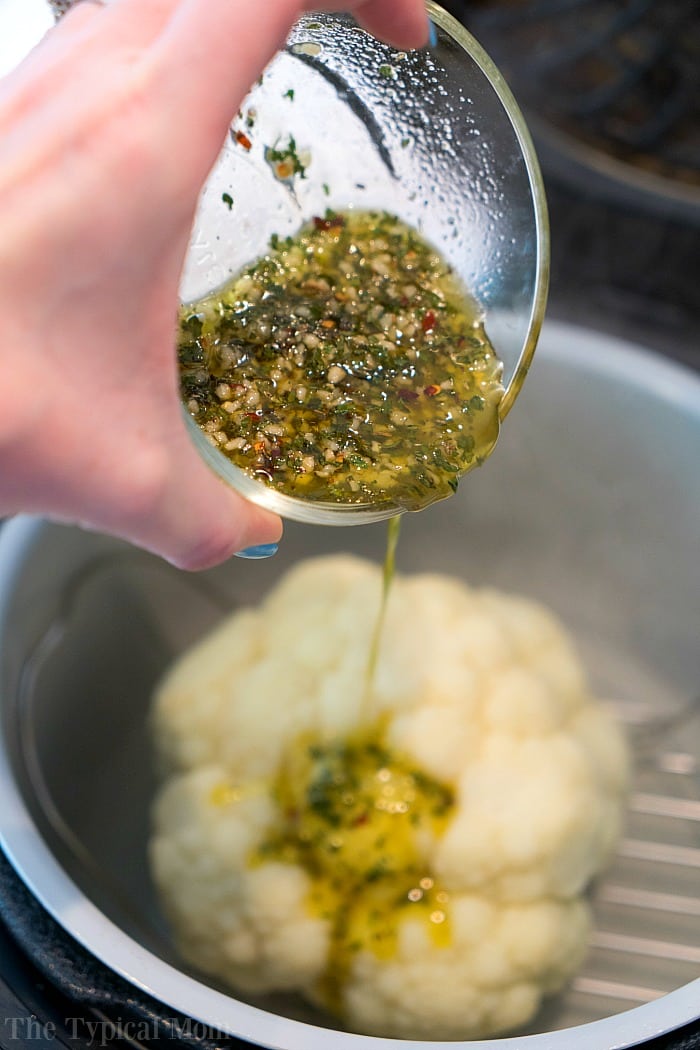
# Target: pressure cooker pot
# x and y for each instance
(590, 504)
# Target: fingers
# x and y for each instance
(126, 479)
(199, 520)
(175, 506)
(211, 53)
(403, 23)
(405, 27)
(74, 59)
(192, 60)
(172, 503)
(118, 23)
(198, 523)
(243, 529)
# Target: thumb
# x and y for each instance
(198, 521)
(155, 494)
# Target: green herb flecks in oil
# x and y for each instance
(347, 366)
(356, 817)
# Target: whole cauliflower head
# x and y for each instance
(410, 849)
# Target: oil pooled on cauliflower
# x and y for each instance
(351, 815)
(413, 859)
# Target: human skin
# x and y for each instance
(108, 130)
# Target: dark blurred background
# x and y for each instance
(611, 92)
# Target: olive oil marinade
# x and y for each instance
(348, 366)
(356, 814)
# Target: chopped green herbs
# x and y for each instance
(228, 200)
(289, 94)
(286, 161)
(356, 816)
(347, 365)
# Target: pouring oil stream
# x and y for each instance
(392, 539)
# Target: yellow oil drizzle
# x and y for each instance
(353, 813)
(392, 539)
(224, 794)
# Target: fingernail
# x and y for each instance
(432, 34)
(264, 550)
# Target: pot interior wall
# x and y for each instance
(590, 504)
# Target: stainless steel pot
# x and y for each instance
(591, 503)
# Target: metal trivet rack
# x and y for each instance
(646, 936)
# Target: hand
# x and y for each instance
(107, 133)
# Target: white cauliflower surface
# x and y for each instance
(410, 854)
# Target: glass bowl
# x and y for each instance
(433, 136)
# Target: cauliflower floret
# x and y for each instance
(265, 676)
(230, 919)
(489, 979)
(408, 852)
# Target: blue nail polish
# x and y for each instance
(432, 34)
(264, 550)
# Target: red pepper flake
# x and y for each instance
(255, 416)
(432, 390)
(429, 321)
(329, 323)
(329, 223)
(243, 140)
(360, 820)
(406, 394)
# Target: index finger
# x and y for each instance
(210, 53)
(207, 58)
(403, 23)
